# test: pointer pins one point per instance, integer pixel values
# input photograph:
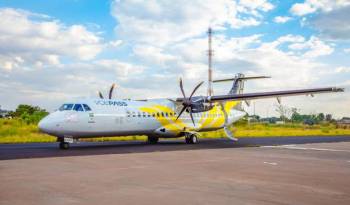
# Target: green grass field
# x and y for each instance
(17, 131)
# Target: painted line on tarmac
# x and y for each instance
(292, 146)
(271, 163)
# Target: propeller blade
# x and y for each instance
(182, 88)
(183, 109)
(194, 124)
(111, 91)
(195, 89)
(100, 95)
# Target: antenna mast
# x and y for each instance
(210, 55)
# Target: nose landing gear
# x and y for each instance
(64, 145)
(65, 141)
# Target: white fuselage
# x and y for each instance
(129, 117)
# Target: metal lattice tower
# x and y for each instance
(210, 55)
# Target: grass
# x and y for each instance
(17, 131)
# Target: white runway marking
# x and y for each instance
(292, 146)
(271, 163)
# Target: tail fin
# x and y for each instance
(238, 82)
(238, 87)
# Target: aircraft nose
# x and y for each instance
(44, 125)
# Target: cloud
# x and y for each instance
(333, 24)
(311, 6)
(282, 19)
(342, 69)
(71, 81)
(313, 48)
(164, 22)
(35, 39)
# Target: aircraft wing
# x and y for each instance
(260, 95)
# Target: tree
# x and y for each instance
(29, 114)
(320, 117)
(284, 111)
(329, 117)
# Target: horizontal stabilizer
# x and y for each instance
(241, 78)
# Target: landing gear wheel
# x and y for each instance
(152, 140)
(192, 139)
(64, 145)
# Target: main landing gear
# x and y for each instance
(191, 138)
(152, 140)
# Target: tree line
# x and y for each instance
(28, 114)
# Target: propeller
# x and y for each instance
(110, 92)
(187, 102)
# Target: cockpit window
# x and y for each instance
(66, 107)
(86, 107)
(78, 107)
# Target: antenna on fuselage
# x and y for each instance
(210, 55)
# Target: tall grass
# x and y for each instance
(17, 131)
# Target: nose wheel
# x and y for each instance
(64, 145)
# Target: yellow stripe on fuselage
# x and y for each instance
(205, 122)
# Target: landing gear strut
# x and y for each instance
(191, 139)
(152, 140)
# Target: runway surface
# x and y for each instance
(293, 170)
(40, 150)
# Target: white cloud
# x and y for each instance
(347, 50)
(312, 48)
(334, 24)
(115, 43)
(163, 22)
(342, 69)
(311, 6)
(39, 40)
(282, 19)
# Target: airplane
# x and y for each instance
(184, 116)
(158, 118)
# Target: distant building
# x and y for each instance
(344, 122)
(271, 120)
(3, 113)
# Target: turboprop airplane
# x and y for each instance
(158, 118)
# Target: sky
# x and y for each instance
(54, 51)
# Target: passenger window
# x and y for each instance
(158, 115)
(78, 107)
(86, 107)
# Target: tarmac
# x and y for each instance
(292, 170)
